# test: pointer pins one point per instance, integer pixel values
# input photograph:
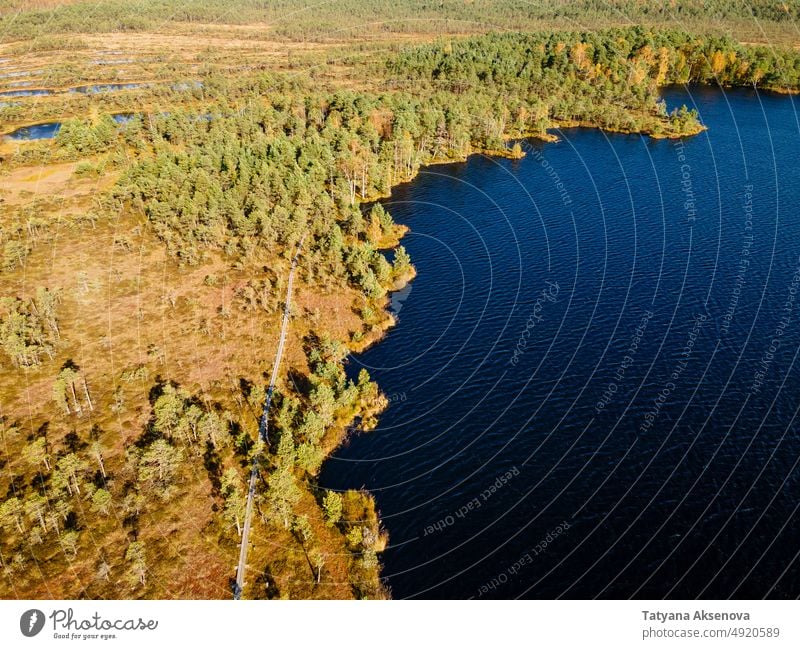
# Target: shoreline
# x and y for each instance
(364, 418)
(388, 321)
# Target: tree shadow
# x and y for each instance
(300, 381)
(158, 389)
(302, 545)
(246, 388)
(73, 443)
(72, 522)
(213, 465)
(241, 442)
(150, 434)
(15, 487)
(95, 432)
(69, 364)
(267, 584)
(41, 431)
(101, 481)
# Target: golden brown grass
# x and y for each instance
(125, 305)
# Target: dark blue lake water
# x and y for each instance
(36, 131)
(594, 378)
(50, 129)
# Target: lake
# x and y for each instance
(50, 129)
(36, 92)
(43, 131)
(106, 87)
(593, 380)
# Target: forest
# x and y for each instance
(226, 183)
(24, 19)
(643, 58)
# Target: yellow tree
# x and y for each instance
(718, 62)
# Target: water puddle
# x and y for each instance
(33, 92)
(111, 61)
(106, 87)
(36, 131)
(124, 118)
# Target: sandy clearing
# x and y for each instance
(28, 183)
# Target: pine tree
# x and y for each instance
(97, 452)
(235, 502)
(101, 501)
(332, 506)
(136, 556)
(69, 542)
(169, 409)
(282, 490)
(36, 455)
(36, 510)
(11, 515)
(159, 464)
(69, 469)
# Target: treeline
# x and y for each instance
(290, 159)
(260, 179)
(24, 19)
(307, 424)
(273, 158)
(597, 64)
(85, 138)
